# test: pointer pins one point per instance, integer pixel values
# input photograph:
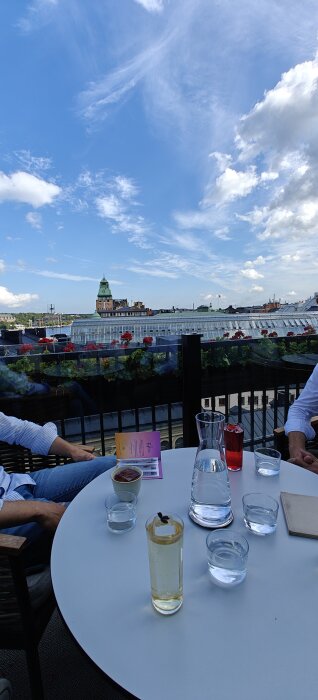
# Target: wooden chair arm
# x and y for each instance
(11, 544)
(279, 431)
(313, 423)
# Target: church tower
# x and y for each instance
(104, 301)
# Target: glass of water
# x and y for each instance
(227, 557)
(260, 513)
(267, 461)
(121, 512)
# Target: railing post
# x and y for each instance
(191, 371)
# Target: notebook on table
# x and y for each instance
(301, 514)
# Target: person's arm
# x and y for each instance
(37, 438)
(67, 449)
(46, 513)
(41, 439)
(298, 426)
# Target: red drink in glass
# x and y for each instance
(233, 441)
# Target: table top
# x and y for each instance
(257, 640)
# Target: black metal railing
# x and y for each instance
(93, 394)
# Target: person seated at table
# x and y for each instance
(298, 426)
(31, 505)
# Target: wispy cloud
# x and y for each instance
(65, 276)
(152, 272)
(32, 164)
(38, 13)
(34, 219)
(118, 207)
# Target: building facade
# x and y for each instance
(107, 307)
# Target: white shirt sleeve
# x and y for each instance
(37, 438)
(304, 408)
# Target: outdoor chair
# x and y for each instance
(26, 605)
(26, 601)
(281, 440)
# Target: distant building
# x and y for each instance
(108, 307)
(7, 318)
(209, 325)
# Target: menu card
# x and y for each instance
(301, 514)
(140, 449)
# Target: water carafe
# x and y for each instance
(210, 493)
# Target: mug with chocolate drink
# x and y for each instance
(127, 480)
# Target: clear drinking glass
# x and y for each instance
(260, 513)
(210, 504)
(121, 512)
(227, 557)
(165, 549)
(267, 461)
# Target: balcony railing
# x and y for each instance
(92, 394)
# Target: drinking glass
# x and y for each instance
(210, 504)
(165, 550)
(267, 461)
(227, 557)
(121, 512)
(260, 513)
(233, 441)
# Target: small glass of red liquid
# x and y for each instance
(233, 442)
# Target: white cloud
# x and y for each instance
(258, 261)
(34, 219)
(286, 117)
(257, 289)
(51, 260)
(231, 185)
(291, 294)
(251, 274)
(152, 5)
(12, 300)
(2, 266)
(27, 188)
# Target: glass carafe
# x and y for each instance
(210, 493)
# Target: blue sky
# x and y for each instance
(171, 145)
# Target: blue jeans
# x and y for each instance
(59, 484)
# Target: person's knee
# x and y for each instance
(102, 464)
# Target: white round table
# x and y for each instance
(258, 640)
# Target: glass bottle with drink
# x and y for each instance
(165, 549)
(210, 504)
(233, 440)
